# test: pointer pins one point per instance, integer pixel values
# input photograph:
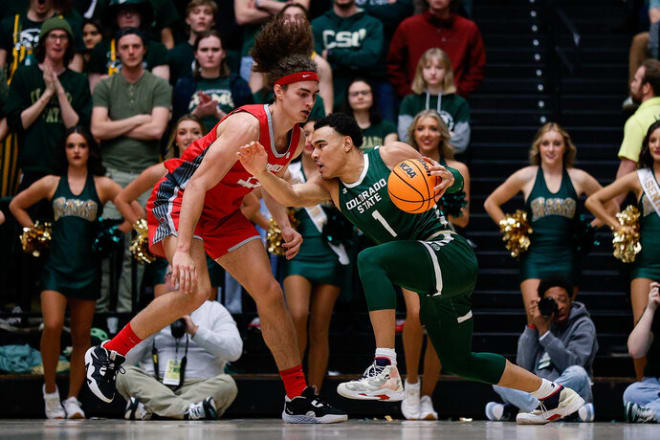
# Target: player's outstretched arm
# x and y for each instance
(253, 157)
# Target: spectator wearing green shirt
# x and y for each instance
(644, 88)
(45, 100)
(361, 103)
(121, 14)
(352, 42)
(130, 115)
(19, 34)
(200, 17)
(433, 88)
(213, 91)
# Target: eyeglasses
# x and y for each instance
(54, 37)
(359, 92)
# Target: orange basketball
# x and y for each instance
(410, 186)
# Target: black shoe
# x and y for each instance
(102, 366)
(204, 410)
(309, 408)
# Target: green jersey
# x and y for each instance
(552, 218)
(367, 205)
(72, 267)
(647, 263)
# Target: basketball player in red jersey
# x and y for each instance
(195, 209)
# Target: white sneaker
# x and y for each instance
(566, 403)
(410, 402)
(73, 408)
(135, 410)
(426, 410)
(204, 410)
(377, 383)
(499, 412)
(53, 405)
(586, 413)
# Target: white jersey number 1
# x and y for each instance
(375, 214)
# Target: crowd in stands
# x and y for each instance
(95, 94)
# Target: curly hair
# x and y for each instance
(645, 157)
(94, 162)
(342, 124)
(445, 148)
(283, 48)
(569, 151)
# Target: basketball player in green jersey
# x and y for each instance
(417, 252)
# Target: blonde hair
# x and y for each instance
(446, 149)
(569, 148)
(173, 149)
(419, 85)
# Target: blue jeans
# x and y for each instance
(246, 67)
(645, 393)
(574, 377)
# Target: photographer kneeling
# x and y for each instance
(559, 345)
(178, 373)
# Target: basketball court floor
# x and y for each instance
(272, 429)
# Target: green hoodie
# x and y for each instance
(355, 47)
(454, 110)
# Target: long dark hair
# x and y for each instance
(282, 48)
(94, 162)
(374, 114)
(224, 67)
(645, 158)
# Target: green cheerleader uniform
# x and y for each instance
(73, 269)
(315, 261)
(647, 263)
(552, 218)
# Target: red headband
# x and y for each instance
(296, 77)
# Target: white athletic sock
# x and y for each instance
(545, 389)
(388, 353)
(413, 386)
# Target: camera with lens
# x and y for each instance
(547, 306)
(178, 328)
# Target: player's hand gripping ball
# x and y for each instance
(411, 186)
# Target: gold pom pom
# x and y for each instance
(515, 231)
(36, 238)
(139, 246)
(626, 240)
(274, 239)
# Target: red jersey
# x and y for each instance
(225, 197)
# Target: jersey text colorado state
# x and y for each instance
(367, 198)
